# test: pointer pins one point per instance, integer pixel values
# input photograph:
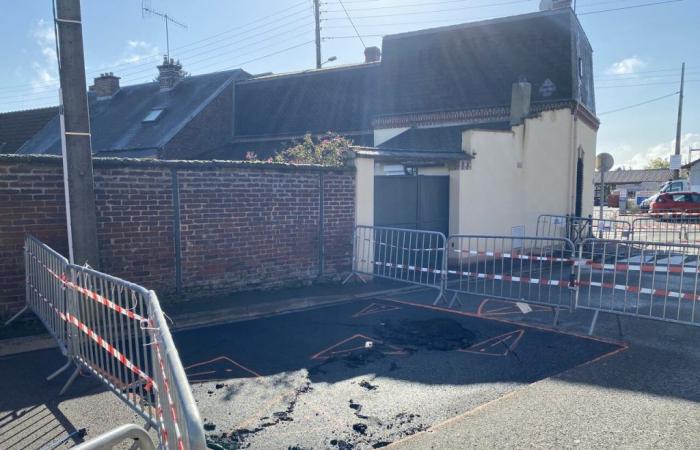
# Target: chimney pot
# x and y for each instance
(169, 73)
(105, 86)
(520, 102)
(548, 5)
(372, 54)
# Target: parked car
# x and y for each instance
(646, 203)
(675, 202)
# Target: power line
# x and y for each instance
(191, 64)
(643, 84)
(462, 8)
(149, 67)
(635, 77)
(239, 33)
(352, 23)
(441, 2)
(639, 104)
(627, 7)
(235, 66)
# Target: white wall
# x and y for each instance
(586, 140)
(516, 176)
(364, 191)
(519, 174)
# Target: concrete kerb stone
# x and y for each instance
(25, 344)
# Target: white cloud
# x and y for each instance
(138, 51)
(45, 69)
(626, 66)
(663, 150)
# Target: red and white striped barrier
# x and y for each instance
(548, 282)
(517, 279)
(402, 266)
(646, 268)
(171, 404)
(514, 255)
(97, 338)
(90, 294)
(641, 290)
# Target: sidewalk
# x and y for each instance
(645, 397)
(223, 308)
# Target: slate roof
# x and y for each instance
(436, 139)
(336, 99)
(16, 127)
(473, 65)
(635, 176)
(117, 125)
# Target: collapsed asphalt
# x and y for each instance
(363, 374)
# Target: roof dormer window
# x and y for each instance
(153, 115)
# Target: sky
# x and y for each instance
(638, 50)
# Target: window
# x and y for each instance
(681, 198)
(696, 198)
(153, 115)
(676, 186)
(580, 67)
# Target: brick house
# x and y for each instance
(440, 116)
(19, 126)
(174, 117)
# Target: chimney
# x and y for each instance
(169, 74)
(548, 5)
(106, 85)
(520, 102)
(372, 54)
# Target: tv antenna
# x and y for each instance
(147, 10)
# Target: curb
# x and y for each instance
(14, 346)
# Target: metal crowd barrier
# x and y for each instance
(412, 256)
(45, 269)
(116, 331)
(642, 279)
(577, 229)
(683, 228)
(534, 270)
(647, 279)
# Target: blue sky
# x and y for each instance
(637, 51)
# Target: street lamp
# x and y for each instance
(331, 59)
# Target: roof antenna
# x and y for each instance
(147, 10)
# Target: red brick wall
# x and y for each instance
(208, 131)
(243, 226)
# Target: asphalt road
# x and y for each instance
(311, 379)
(351, 376)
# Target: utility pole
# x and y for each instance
(81, 216)
(317, 17)
(680, 118)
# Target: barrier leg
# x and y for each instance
(593, 322)
(70, 381)
(619, 325)
(440, 296)
(555, 322)
(21, 311)
(455, 298)
(59, 371)
(356, 275)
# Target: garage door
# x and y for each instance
(418, 202)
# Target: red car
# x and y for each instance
(676, 202)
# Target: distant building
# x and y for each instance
(174, 117)
(472, 128)
(19, 126)
(633, 181)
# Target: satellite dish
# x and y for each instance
(604, 162)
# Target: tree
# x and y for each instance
(329, 150)
(658, 163)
